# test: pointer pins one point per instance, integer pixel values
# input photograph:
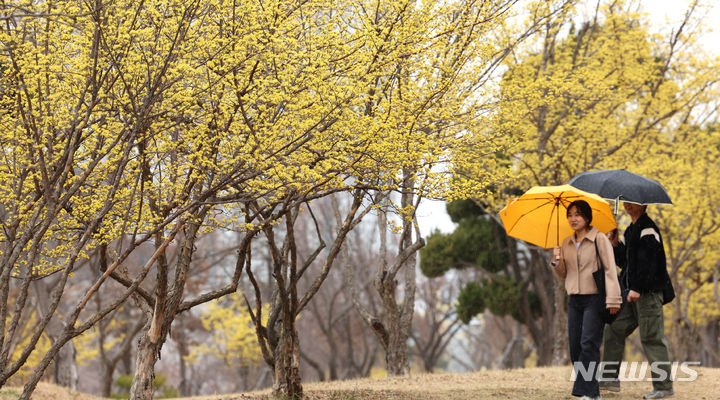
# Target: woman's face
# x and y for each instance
(576, 220)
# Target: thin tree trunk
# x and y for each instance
(711, 350)
(280, 336)
(315, 365)
(398, 317)
(560, 342)
(393, 330)
(106, 380)
(184, 385)
(66, 371)
(180, 338)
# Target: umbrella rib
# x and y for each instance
(526, 213)
(547, 228)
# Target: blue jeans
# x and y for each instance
(585, 329)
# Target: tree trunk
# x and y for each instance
(514, 354)
(544, 350)
(287, 384)
(147, 355)
(710, 356)
(66, 372)
(126, 363)
(167, 301)
(184, 385)
(148, 352)
(393, 330)
(106, 381)
(181, 342)
(560, 345)
(396, 357)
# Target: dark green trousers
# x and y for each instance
(647, 314)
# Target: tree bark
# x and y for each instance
(560, 346)
(147, 355)
(287, 363)
(396, 357)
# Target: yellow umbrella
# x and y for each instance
(540, 215)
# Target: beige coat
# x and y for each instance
(580, 280)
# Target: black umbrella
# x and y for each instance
(621, 185)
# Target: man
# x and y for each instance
(644, 277)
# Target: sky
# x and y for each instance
(664, 14)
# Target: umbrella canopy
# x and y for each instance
(621, 185)
(540, 215)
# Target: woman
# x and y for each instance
(575, 261)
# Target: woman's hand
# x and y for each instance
(556, 255)
(614, 310)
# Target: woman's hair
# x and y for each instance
(583, 208)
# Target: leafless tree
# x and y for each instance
(336, 343)
(278, 338)
(436, 322)
(393, 323)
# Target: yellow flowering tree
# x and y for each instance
(65, 154)
(435, 97)
(691, 227)
(136, 127)
(606, 93)
(233, 336)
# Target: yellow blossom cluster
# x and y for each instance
(120, 118)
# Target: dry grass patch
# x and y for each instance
(533, 383)
(550, 383)
(46, 391)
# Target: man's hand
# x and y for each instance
(633, 296)
(614, 310)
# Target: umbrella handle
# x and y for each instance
(617, 202)
(557, 222)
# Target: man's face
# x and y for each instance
(633, 209)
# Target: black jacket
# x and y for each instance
(642, 257)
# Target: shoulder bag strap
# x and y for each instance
(599, 274)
